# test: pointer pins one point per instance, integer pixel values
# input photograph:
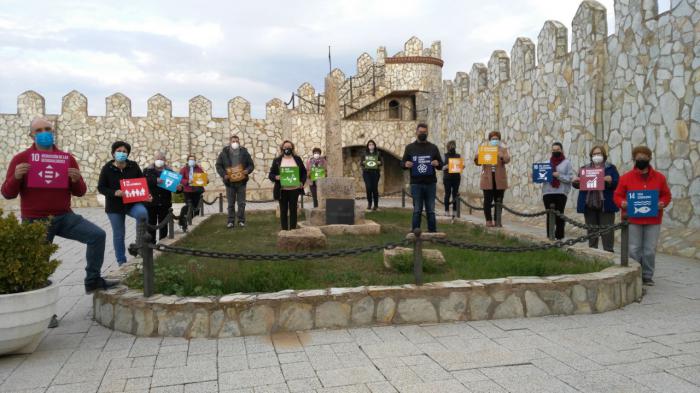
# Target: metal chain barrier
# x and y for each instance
(521, 214)
(579, 224)
(469, 205)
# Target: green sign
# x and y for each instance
(317, 172)
(371, 162)
(289, 177)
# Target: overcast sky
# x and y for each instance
(255, 49)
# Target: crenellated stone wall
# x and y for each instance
(640, 85)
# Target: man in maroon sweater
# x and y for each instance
(54, 203)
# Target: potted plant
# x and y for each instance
(27, 297)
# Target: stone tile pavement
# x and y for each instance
(652, 346)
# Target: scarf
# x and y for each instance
(555, 163)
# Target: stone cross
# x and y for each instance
(334, 143)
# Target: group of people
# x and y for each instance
(235, 164)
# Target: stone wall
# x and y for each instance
(640, 85)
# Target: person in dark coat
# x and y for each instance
(235, 165)
(287, 195)
(162, 200)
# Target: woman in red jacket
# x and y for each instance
(643, 231)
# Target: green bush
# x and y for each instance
(25, 255)
(403, 263)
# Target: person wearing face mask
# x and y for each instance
(556, 192)
(53, 205)
(598, 207)
(162, 200)
(120, 167)
(288, 195)
(234, 164)
(643, 231)
(316, 161)
(451, 180)
(371, 165)
(193, 193)
(494, 179)
(422, 158)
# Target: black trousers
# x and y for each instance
(288, 209)
(599, 217)
(314, 193)
(192, 199)
(451, 190)
(371, 179)
(559, 201)
(156, 215)
(489, 197)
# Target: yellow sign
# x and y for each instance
(199, 180)
(488, 155)
(455, 165)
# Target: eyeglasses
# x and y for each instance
(47, 129)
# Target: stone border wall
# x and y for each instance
(126, 310)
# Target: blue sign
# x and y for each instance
(542, 172)
(170, 180)
(422, 166)
(642, 203)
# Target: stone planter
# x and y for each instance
(23, 318)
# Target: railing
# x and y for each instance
(145, 247)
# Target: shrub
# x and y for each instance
(25, 255)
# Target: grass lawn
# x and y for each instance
(187, 275)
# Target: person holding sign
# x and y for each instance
(288, 173)
(194, 179)
(53, 205)
(494, 179)
(118, 199)
(162, 180)
(643, 194)
(421, 158)
(556, 191)
(452, 176)
(596, 183)
(234, 164)
(371, 165)
(316, 167)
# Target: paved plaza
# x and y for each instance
(652, 346)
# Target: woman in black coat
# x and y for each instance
(294, 179)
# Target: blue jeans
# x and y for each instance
(424, 194)
(137, 211)
(74, 227)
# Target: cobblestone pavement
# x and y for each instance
(652, 346)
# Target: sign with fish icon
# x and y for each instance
(642, 203)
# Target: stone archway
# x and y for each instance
(392, 177)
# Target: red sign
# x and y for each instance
(592, 179)
(134, 190)
(48, 170)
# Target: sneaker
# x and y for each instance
(241, 224)
(100, 283)
(230, 225)
(53, 323)
(648, 282)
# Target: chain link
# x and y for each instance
(522, 214)
(469, 205)
(162, 223)
(210, 203)
(579, 224)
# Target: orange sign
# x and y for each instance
(199, 180)
(455, 165)
(488, 155)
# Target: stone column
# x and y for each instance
(334, 143)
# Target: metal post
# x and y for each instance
(171, 224)
(458, 206)
(143, 241)
(201, 206)
(221, 203)
(418, 257)
(625, 239)
(293, 100)
(318, 103)
(350, 89)
(374, 83)
(551, 222)
(190, 213)
(498, 212)
(403, 197)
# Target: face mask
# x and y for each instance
(190, 162)
(494, 142)
(422, 137)
(235, 145)
(452, 150)
(371, 147)
(44, 139)
(287, 151)
(120, 156)
(159, 163)
(556, 154)
(641, 164)
(597, 159)
(317, 156)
